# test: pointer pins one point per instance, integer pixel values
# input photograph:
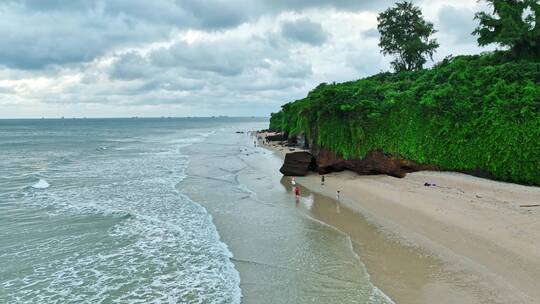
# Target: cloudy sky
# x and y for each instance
(113, 58)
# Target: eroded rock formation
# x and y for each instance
(298, 164)
(276, 137)
(375, 162)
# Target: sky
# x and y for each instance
(123, 58)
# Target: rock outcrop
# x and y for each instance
(292, 141)
(375, 162)
(276, 137)
(298, 164)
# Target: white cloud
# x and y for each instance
(209, 57)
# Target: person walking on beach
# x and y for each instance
(322, 180)
(338, 193)
(293, 181)
(297, 192)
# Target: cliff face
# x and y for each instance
(325, 161)
(375, 162)
(298, 164)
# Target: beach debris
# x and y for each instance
(529, 206)
(430, 184)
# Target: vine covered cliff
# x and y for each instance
(468, 113)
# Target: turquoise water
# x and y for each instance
(161, 211)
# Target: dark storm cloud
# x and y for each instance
(338, 4)
(160, 83)
(224, 57)
(215, 55)
(304, 30)
(34, 41)
(212, 14)
(257, 66)
(131, 66)
(203, 8)
(37, 33)
(199, 58)
(52, 5)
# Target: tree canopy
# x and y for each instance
(407, 36)
(513, 24)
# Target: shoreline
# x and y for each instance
(472, 230)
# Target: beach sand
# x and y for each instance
(465, 240)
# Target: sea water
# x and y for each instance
(162, 211)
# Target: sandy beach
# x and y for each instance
(479, 239)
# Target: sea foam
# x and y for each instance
(156, 244)
(41, 184)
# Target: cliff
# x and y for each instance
(475, 114)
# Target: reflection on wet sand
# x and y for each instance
(406, 274)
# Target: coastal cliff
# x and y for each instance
(474, 114)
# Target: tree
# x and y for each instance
(405, 34)
(514, 24)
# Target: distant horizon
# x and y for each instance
(129, 117)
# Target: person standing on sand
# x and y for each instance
(338, 194)
(293, 181)
(297, 192)
(322, 180)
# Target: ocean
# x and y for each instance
(161, 210)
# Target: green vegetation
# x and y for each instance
(469, 112)
(513, 24)
(405, 34)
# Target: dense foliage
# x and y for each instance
(466, 113)
(406, 35)
(514, 24)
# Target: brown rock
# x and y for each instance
(276, 137)
(298, 164)
(375, 162)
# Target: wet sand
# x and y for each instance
(406, 273)
(466, 240)
(281, 253)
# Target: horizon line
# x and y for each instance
(126, 117)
